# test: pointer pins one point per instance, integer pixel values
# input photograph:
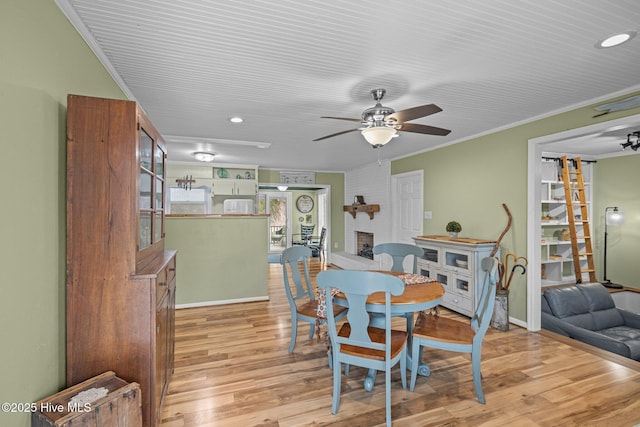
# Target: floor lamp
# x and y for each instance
(612, 216)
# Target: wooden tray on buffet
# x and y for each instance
(467, 240)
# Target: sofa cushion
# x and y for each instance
(571, 306)
(544, 305)
(602, 306)
(629, 336)
(597, 296)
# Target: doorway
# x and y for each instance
(277, 204)
(407, 202)
(560, 143)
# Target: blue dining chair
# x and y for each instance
(398, 252)
(357, 343)
(449, 334)
(302, 302)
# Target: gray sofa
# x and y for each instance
(587, 313)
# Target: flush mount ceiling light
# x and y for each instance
(615, 39)
(204, 157)
(236, 119)
(282, 187)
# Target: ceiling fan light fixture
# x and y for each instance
(378, 136)
(204, 157)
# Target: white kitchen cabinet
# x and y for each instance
(223, 179)
(456, 263)
(235, 180)
(200, 175)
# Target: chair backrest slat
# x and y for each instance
(482, 316)
(295, 257)
(398, 252)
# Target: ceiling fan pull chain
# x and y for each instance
(379, 161)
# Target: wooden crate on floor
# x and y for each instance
(121, 407)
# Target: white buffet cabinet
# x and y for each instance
(456, 263)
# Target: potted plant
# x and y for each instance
(453, 227)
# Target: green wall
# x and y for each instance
(213, 255)
(43, 59)
(470, 181)
(617, 183)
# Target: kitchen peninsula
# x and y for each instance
(223, 258)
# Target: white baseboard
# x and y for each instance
(517, 322)
(222, 302)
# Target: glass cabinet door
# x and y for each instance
(145, 229)
(158, 162)
(146, 150)
(152, 188)
(159, 187)
(145, 190)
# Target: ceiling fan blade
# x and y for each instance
(335, 134)
(416, 128)
(414, 113)
(342, 118)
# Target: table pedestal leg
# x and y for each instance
(370, 380)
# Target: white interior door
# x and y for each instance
(408, 203)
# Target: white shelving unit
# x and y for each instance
(556, 256)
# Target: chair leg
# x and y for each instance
(403, 369)
(477, 374)
(294, 333)
(312, 329)
(337, 376)
(415, 361)
(387, 384)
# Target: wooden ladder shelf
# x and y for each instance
(575, 197)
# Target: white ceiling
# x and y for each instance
(282, 64)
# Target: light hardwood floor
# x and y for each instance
(232, 368)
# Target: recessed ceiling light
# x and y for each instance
(615, 39)
(236, 119)
(204, 157)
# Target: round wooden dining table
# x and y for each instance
(416, 297)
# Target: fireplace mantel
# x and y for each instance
(354, 209)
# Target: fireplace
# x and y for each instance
(364, 244)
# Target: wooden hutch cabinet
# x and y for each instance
(120, 280)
